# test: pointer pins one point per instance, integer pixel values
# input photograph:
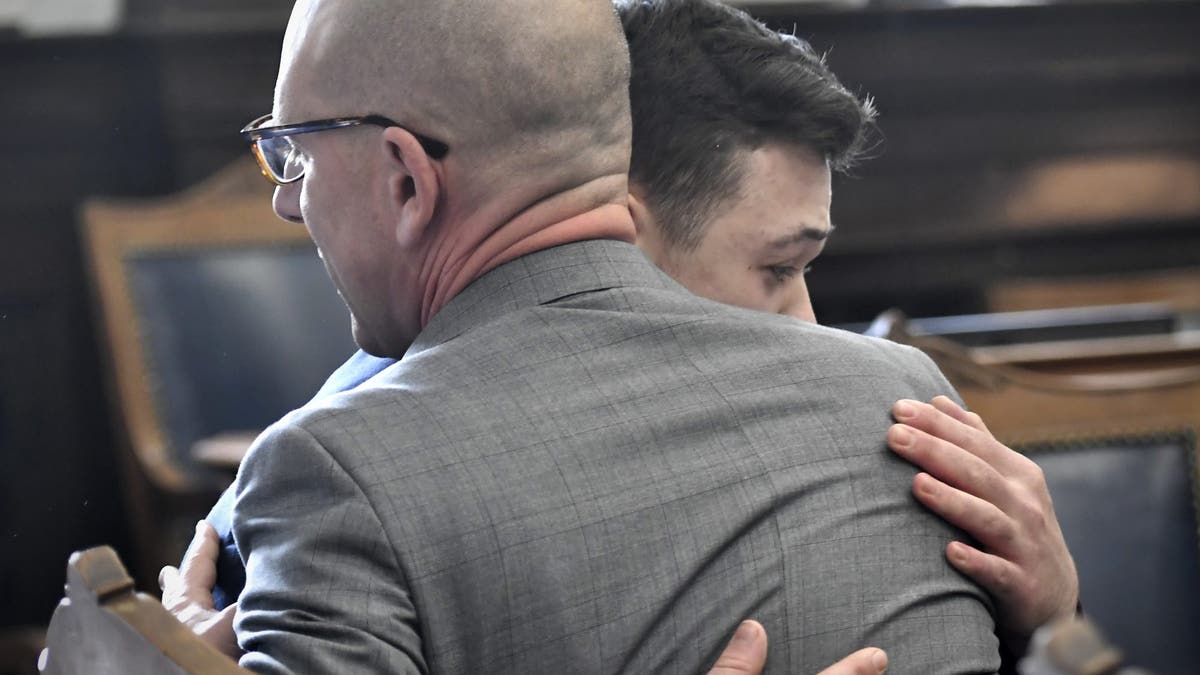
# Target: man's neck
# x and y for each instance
(490, 237)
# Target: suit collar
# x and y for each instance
(538, 279)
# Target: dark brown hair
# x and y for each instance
(710, 83)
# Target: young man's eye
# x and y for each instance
(782, 273)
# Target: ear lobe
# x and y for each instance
(643, 218)
(649, 234)
(414, 185)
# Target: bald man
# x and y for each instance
(577, 466)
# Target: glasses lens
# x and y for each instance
(282, 158)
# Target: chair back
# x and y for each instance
(1128, 510)
(218, 319)
(105, 626)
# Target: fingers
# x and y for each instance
(193, 584)
(997, 496)
(171, 586)
(1000, 577)
(177, 597)
(166, 577)
(946, 405)
(869, 661)
(199, 571)
(218, 632)
(746, 653)
(949, 463)
(981, 519)
(950, 428)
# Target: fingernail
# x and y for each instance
(904, 409)
(199, 525)
(901, 436)
(925, 485)
(879, 659)
(745, 634)
(958, 553)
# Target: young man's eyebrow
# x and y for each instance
(804, 233)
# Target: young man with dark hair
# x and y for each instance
(736, 129)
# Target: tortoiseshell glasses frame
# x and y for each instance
(276, 155)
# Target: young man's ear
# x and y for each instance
(643, 219)
(414, 185)
(649, 235)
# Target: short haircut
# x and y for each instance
(710, 84)
(511, 86)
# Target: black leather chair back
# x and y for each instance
(1128, 510)
(235, 337)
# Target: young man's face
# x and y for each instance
(755, 250)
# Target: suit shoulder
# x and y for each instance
(809, 335)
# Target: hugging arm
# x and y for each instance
(324, 591)
(187, 593)
(999, 497)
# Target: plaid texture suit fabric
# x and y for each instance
(580, 467)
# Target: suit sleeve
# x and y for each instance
(934, 383)
(324, 591)
(1011, 651)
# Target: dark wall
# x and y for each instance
(986, 112)
(977, 105)
(128, 116)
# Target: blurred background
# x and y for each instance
(1023, 146)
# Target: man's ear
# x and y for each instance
(650, 236)
(414, 185)
(643, 218)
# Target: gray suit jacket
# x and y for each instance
(581, 467)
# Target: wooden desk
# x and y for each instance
(224, 451)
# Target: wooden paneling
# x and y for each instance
(1043, 141)
(205, 101)
(79, 117)
(125, 116)
(206, 16)
(1179, 288)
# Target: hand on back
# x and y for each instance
(996, 495)
(746, 654)
(999, 497)
(187, 593)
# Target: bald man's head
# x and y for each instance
(523, 81)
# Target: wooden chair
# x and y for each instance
(218, 318)
(1113, 425)
(105, 626)
(1072, 389)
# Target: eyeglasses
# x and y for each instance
(280, 160)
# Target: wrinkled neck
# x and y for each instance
(464, 252)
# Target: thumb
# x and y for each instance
(746, 653)
(199, 569)
(869, 661)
